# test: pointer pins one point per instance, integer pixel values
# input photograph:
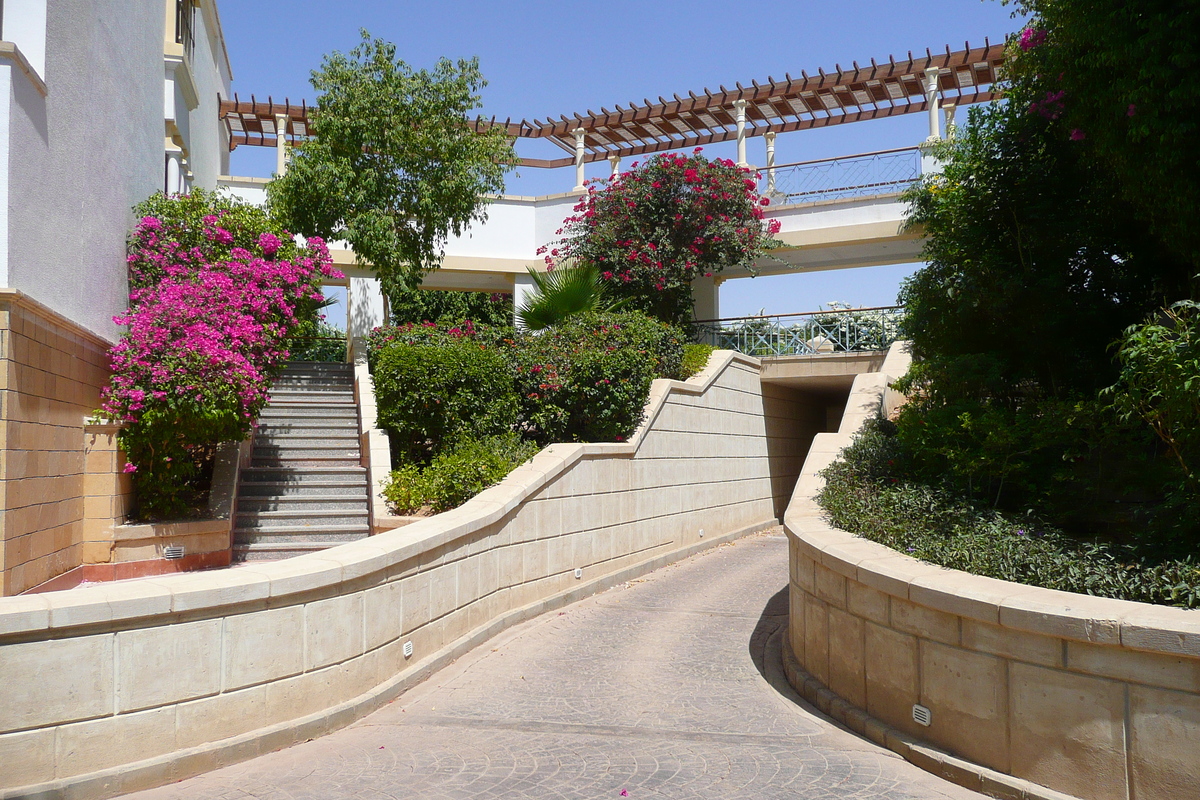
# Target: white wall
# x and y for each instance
(82, 155)
(208, 145)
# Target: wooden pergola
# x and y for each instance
(880, 89)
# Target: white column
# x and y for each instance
(579, 133)
(706, 298)
(173, 182)
(364, 303)
(931, 97)
(740, 106)
(769, 138)
(949, 111)
(523, 287)
(615, 160)
(281, 123)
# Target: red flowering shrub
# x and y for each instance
(213, 299)
(653, 230)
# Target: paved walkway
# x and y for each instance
(667, 687)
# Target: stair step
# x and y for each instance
(304, 453)
(304, 473)
(307, 435)
(301, 517)
(341, 502)
(298, 411)
(275, 552)
(299, 424)
(299, 533)
(286, 463)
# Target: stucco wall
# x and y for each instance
(121, 686)
(83, 154)
(1093, 697)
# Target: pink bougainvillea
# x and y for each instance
(653, 230)
(207, 332)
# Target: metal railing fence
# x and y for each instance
(843, 177)
(808, 333)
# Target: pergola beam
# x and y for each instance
(857, 94)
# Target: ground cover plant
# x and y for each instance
(216, 290)
(869, 491)
(651, 231)
(464, 404)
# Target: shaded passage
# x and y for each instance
(666, 687)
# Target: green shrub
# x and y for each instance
(317, 340)
(867, 492)
(457, 474)
(406, 490)
(695, 359)
(446, 387)
(587, 380)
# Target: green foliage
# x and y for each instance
(433, 391)
(395, 167)
(316, 340)
(868, 492)
(457, 474)
(695, 358)
(587, 379)
(652, 231)
(564, 292)
(443, 307)
(1160, 381)
(1120, 77)
(1033, 268)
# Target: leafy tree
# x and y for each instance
(1033, 267)
(653, 230)
(430, 305)
(563, 293)
(394, 167)
(1121, 78)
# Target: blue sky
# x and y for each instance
(544, 59)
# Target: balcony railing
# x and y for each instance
(862, 175)
(836, 330)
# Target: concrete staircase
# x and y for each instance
(305, 488)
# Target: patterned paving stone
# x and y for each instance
(663, 688)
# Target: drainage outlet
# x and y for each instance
(922, 715)
(408, 649)
(578, 573)
(173, 552)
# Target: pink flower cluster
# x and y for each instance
(658, 227)
(205, 337)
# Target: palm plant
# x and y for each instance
(562, 293)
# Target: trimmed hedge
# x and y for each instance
(457, 474)
(587, 379)
(440, 390)
(866, 493)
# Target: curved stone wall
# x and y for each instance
(117, 687)
(1093, 697)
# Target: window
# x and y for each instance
(185, 34)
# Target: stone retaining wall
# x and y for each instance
(1093, 697)
(112, 688)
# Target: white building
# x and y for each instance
(102, 103)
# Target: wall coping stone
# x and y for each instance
(1031, 609)
(211, 593)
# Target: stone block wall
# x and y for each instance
(1027, 687)
(52, 374)
(117, 687)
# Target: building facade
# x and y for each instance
(102, 103)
